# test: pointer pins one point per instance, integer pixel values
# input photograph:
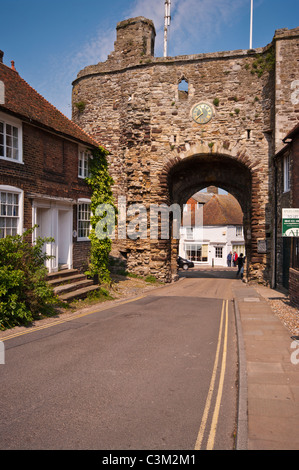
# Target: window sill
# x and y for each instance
(12, 160)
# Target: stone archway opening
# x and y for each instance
(211, 232)
(192, 174)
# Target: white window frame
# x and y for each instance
(287, 173)
(79, 203)
(217, 253)
(192, 250)
(239, 231)
(20, 192)
(83, 162)
(10, 121)
(189, 233)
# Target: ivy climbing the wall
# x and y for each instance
(100, 183)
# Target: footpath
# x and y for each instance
(268, 374)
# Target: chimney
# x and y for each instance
(212, 189)
(1, 57)
(13, 65)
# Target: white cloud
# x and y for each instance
(194, 25)
(97, 48)
(151, 9)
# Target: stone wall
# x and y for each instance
(286, 83)
(158, 154)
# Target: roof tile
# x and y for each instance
(25, 102)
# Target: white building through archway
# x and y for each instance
(207, 239)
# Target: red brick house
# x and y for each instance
(287, 196)
(43, 162)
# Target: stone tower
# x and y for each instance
(165, 146)
(135, 37)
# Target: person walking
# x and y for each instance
(240, 263)
(229, 259)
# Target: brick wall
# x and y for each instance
(51, 169)
(295, 172)
(294, 273)
(288, 199)
(294, 286)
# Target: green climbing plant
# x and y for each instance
(100, 183)
(263, 62)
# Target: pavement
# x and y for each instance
(268, 412)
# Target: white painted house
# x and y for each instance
(212, 228)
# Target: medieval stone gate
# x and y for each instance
(166, 143)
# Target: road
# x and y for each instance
(159, 372)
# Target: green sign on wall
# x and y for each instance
(290, 222)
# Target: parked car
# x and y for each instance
(184, 263)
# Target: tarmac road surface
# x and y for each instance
(158, 372)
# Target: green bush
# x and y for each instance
(24, 291)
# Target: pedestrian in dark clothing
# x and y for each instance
(240, 264)
(229, 259)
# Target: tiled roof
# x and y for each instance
(218, 209)
(222, 209)
(24, 102)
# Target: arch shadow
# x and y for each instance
(209, 273)
(192, 174)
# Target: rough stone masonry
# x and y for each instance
(134, 105)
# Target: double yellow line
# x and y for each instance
(213, 427)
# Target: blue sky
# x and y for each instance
(52, 40)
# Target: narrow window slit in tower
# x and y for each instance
(183, 90)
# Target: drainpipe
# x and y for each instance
(274, 276)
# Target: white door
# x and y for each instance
(44, 221)
(64, 238)
(55, 220)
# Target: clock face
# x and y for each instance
(202, 113)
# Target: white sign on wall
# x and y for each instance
(290, 222)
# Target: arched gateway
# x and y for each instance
(223, 129)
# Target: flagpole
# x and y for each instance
(251, 21)
(166, 24)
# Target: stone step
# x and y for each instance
(65, 288)
(66, 279)
(78, 294)
(70, 284)
(62, 274)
